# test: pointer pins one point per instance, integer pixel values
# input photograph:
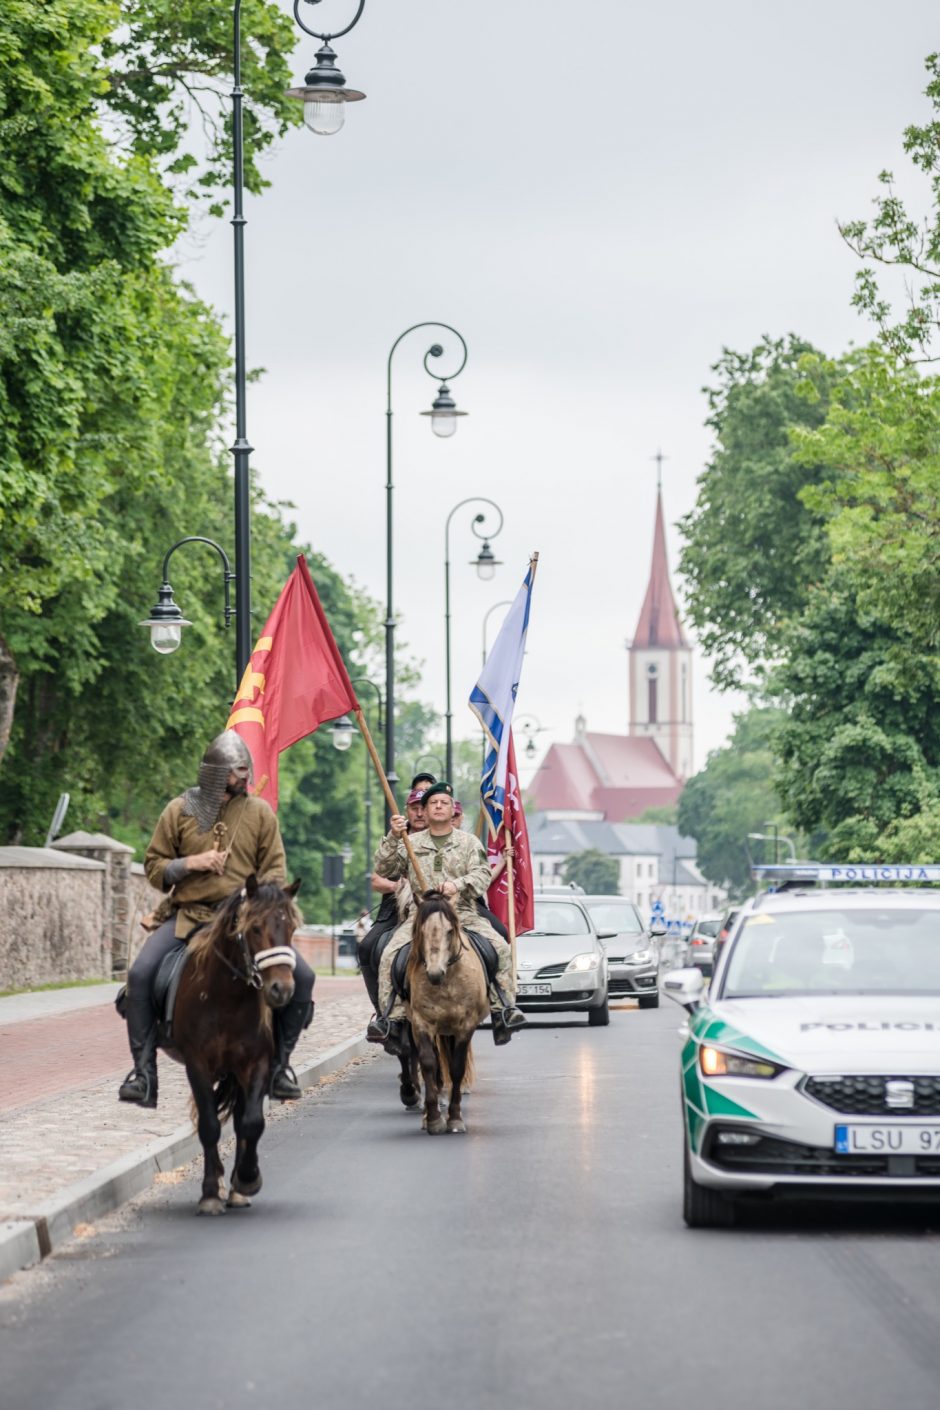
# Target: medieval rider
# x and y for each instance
(206, 844)
(454, 862)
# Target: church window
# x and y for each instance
(652, 701)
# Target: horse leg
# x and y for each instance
(246, 1175)
(457, 1050)
(236, 1200)
(430, 1070)
(408, 1088)
(210, 1128)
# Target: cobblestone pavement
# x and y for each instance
(58, 1078)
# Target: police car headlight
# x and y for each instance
(581, 963)
(718, 1062)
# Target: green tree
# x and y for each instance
(898, 239)
(752, 545)
(594, 871)
(732, 796)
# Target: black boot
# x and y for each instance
(289, 1023)
(505, 1022)
(140, 1084)
(390, 1032)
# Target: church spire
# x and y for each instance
(659, 623)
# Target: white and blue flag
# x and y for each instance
(494, 696)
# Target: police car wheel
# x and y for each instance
(648, 1001)
(704, 1208)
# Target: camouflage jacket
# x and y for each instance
(461, 860)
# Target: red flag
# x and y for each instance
(524, 885)
(296, 679)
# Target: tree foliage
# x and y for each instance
(593, 871)
(752, 545)
(732, 796)
(897, 239)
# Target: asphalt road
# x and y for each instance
(540, 1260)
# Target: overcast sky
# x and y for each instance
(599, 210)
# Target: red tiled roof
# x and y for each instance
(659, 623)
(617, 775)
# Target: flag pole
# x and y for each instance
(507, 840)
(389, 795)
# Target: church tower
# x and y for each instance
(660, 664)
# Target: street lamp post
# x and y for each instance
(324, 96)
(342, 732)
(166, 620)
(530, 726)
(443, 416)
(486, 566)
(436, 761)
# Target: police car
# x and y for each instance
(812, 1067)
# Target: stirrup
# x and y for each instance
(513, 1017)
(146, 1097)
(379, 1029)
(289, 1077)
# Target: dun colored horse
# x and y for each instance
(238, 969)
(447, 1000)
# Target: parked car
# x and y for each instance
(632, 957)
(725, 927)
(701, 946)
(561, 961)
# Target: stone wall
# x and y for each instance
(52, 919)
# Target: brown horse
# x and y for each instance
(239, 968)
(447, 1001)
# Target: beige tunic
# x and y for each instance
(246, 828)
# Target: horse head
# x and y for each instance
(436, 937)
(265, 919)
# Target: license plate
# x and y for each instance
(913, 1138)
(533, 990)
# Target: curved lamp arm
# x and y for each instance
(227, 575)
(435, 350)
(333, 34)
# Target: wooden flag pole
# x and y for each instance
(389, 795)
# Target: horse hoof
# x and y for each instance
(211, 1206)
(438, 1127)
(456, 1127)
(247, 1187)
(238, 1201)
(410, 1097)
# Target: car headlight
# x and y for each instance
(639, 957)
(581, 963)
(718, 1062)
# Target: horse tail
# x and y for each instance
(469, 1071)
(226, 1095)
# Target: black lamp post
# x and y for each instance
(486, 566)
(530, 726)
(443, 416)
(342, 732)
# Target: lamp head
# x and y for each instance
(166, 622)
(325, 95)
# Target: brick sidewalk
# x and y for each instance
(62, 1120)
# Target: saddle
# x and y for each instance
(165, 987)
(485, 952)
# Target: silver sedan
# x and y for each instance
(561, 961)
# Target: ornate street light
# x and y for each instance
(324, 93)
(486, 565)
(166, 620)
(341, 733)
(445, 425)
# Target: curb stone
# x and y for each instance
(25, 1241)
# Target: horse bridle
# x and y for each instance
(252, 974)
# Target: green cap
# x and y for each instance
(437, 788)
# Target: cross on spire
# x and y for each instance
(659, 458)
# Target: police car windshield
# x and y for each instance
(559, 918)
(608, 915)
(874, 951)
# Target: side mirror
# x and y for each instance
(657, 930)
(607, 934)
(686, 986)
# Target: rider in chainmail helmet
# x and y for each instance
(206, 844)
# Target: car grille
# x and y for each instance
(620, 986)
(772, 1156)
(866, 1096)
(551, 971)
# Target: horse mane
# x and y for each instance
(268, 895)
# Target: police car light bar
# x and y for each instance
(847, 871)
